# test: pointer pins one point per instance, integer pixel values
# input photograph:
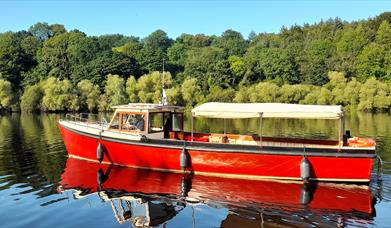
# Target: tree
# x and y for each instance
(238, 68)
(12, 58)
(201, 63)
(177, 54)
(383, 35)
(348, 47)
(44, 31)
(88, 94)
(220, 75)
(115, 90)
(371, 62)
(317, 62)
(368, 92)
(191, 92)
(149, 86)
(195, 41)
(59, 95)
(174, 96)
(6, 96)
(218, 94)
(154, 51)
(113, 41)
(31, 98)
(264, 92)
(293, 94)
(103, 64)
(131, 89)
(232, 42)
(277, 64)
(61, 54)
(130, 49)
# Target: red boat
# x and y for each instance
(151, 136)
(157, 189)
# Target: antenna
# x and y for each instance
(164, 96)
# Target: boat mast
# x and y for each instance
(164, 96)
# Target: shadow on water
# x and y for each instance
(39, 185)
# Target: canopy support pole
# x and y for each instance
(260, 129)
(341, 131)
(224, 126)
(192, 126)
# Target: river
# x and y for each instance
(41, 187)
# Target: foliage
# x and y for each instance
(329, 62)
(88, 94)
(191, 92)
(31, 98)
(149, 87)
(59, 95)
(6, 94)
(114, 91)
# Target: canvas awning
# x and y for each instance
(267, 110)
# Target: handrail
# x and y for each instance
(78, 118)
(83, 117)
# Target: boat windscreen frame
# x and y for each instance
(120, 113)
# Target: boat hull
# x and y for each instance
(213, 161)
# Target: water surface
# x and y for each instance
(40, 187)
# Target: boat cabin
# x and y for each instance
(151, 120)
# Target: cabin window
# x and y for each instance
(156, 122)
(132, 122)
(177, 121)
(115, 122)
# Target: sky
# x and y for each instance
(211, 17)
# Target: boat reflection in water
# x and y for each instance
(150, 198)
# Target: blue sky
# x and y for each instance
(140, 18)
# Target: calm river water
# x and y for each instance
(40, 187)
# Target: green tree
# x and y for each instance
(104, 64)
(149, 86)
(264, 92)
(31, 98)
(191, 92)
(131, 49)
(371, 62)
(6, 96)
(131, 89)
(218, 94)
(61, 54)
(348, 47)
(154, 51)
(293, 94)
(174, 96)
(201, 64)
(59, 95)
(238, 68)
(12, 58)
(115, 90)
(317, 62)
(88, 94)
(277, 64)
(383, 35)
(232, 42)
(44, 31)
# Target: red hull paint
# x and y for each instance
(237, 165)
(82, 175)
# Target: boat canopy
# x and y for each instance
(147, 107)
(267, 110)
